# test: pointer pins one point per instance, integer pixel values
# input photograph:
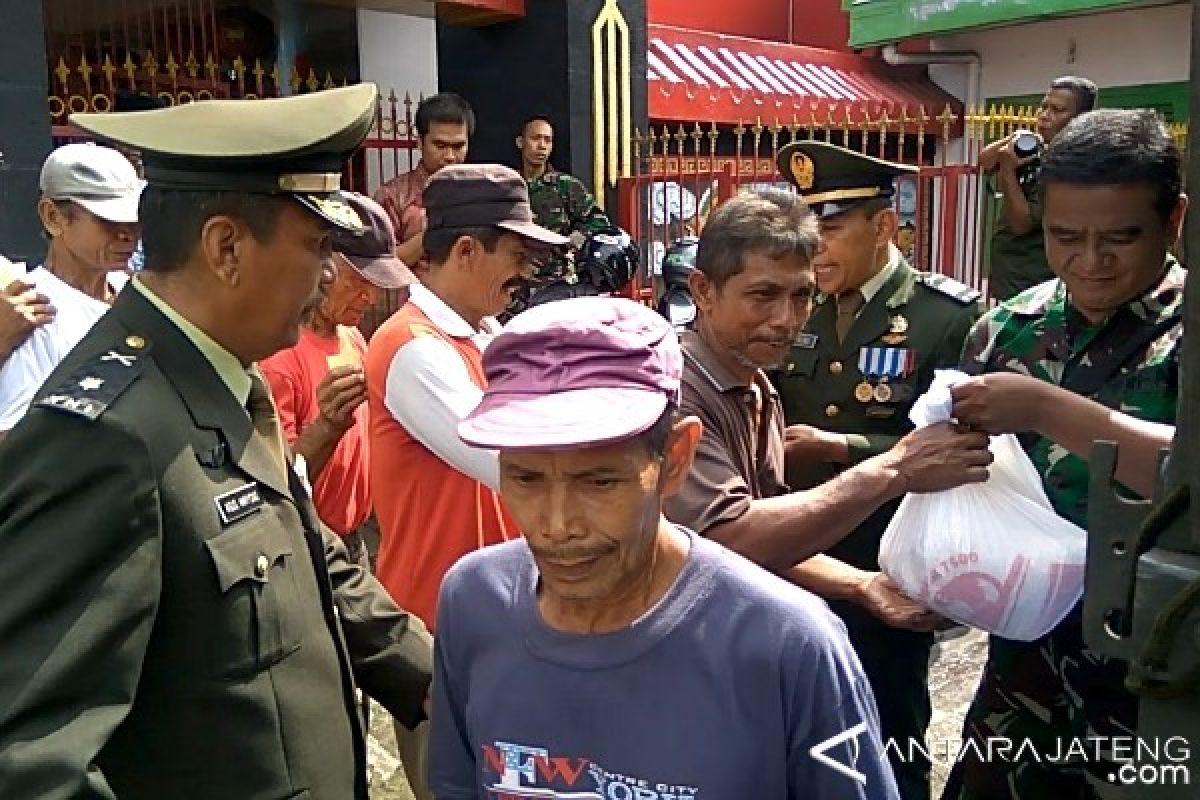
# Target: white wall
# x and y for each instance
(1124, 48)
(398, 51)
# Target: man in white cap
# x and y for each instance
(89, 212)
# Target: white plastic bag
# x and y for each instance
(991, 555)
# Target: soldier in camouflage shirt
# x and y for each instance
(1108, 328)
(560, 201)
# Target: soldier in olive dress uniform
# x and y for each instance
(878, 330)
(176, 621)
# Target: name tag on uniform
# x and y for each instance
(239, 503)
(805, 341)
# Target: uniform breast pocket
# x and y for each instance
(257, 626)
(801, 363)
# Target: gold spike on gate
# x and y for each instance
(883, 123)
(62, 72)
(130, 70)
(151, 65)
(192, 65)
(259, 73)
(921, 119)
(210, 66)
(947, 118)
(109, 70)
(776, 129)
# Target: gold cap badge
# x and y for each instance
(804, 174)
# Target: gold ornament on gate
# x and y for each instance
(803, 171)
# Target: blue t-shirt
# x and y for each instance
(717, 693)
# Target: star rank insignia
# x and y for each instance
(91, 383)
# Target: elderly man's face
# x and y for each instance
(591, 516)
(85, 238)
(349, 297)
(758, 312)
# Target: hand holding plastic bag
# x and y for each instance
(993, 555)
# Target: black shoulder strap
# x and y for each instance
(1112, 349)
(89, 390)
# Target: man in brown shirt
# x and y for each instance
(753, 287)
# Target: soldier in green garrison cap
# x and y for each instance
(177, 623)
(878, 330)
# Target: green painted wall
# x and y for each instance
(881, 21)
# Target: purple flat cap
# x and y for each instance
(580, 372)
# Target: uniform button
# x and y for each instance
(832, 410)
(135, 341)
(835, 367)
(261, 565)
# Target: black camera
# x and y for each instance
(1027, 147)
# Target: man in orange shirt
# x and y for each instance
(435, 497)
(319, 385)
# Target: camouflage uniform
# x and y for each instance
(564, 205)
(1054, 691)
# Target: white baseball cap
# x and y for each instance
(98, 178)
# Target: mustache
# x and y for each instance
(572, 553)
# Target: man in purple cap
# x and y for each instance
(610, 653)
(319, 385)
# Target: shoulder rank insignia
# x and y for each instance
(950, 287)
(92, 388)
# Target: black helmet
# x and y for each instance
(680, 261)
(608, 260)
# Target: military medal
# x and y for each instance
(884, 363)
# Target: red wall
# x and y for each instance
(817, 23)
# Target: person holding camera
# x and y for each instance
(1018, 253)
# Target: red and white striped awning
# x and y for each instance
(700, 76)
